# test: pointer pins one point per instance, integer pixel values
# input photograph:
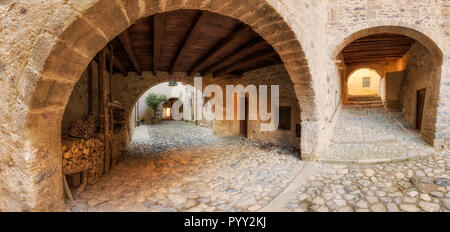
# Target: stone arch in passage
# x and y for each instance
(426, 44)
(78, 32)
(147, 83)
(354, 82)
(419, 35)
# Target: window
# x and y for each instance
(298, 130)
(173, 83)
(366, 82)
(285, 118)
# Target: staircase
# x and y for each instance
(364, 102)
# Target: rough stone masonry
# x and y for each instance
(46, 45)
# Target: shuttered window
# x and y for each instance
(285, 118)
(366, 82)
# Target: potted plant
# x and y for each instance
(153, 101)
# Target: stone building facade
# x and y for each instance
(45, 46)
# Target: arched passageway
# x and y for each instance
(70, 55)
(170, 165)
(403, 104)
(363, 82)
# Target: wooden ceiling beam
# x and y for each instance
(158, 33)
(403, 40)
(125, 40)
(350, 64)
(191, 38)
(257, 57)
(117, 63)
(381, 43)
(375, 52)
(238, 35)
(275, 60)
(246, 50)
(377, 47)
(375, 55)
(371, 60)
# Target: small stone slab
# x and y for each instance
(442, 182)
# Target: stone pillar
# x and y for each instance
(42, 162)
(310, 140)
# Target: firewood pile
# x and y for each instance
(118, 145)
(84, 154)
(119, 119)
(83, 128)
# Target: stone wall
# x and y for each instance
(420, 73)
(393, 82)
(275, 75)
(78, 105)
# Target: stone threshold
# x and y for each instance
(374, 161)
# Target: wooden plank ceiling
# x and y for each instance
(191, 41)
(376, 49)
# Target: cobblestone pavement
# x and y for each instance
(411, 186)
(181, 167)
(374, 135)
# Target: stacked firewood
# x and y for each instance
(118, 145)
(84, 154)
(83, 128)
(119, 119)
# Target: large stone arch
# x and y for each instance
(70, 41)
(434, 132)
(426, 37)
(129, 92)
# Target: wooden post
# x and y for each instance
(67, 189)
(103, 90)
(111, 125)
(91, 88)
(101, 59)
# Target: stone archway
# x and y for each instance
(60, 55)
(421, 36)
(131, 93)
(433, 122)
(354, 79)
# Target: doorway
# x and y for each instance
(420, 107)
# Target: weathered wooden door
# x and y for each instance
(420, 107)
(244, 123)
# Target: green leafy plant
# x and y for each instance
(153, 100)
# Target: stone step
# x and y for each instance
(364, 98)
(364, 102)
(367, 106)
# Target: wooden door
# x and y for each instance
(243, 126)
(420, 107)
